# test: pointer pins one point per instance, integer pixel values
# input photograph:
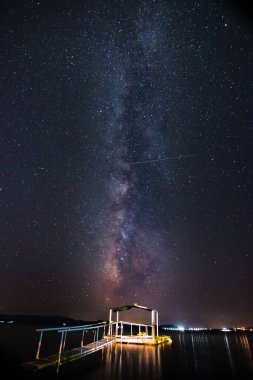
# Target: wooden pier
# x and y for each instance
(65, 356)
(104, 334)
(69, 355)
(136, 333)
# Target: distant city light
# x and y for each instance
(182, 328)
(197, 328)
(224, 329)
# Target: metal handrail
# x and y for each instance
(134, 324)
(64, 330)
(70, 328)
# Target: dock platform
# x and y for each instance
(104, 334)
(69, 355)
(143, 340)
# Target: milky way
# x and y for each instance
(132, 133)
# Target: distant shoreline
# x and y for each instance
(8, 319)
(41, 320)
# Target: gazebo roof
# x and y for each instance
(128, 307)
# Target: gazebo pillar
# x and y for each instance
(153, 322)
(117, 323)
(157, 323)
(110, 322)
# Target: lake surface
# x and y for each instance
(191, 356)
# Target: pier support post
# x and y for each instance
(82, 338)
(39, 345)
(64, 341)
(96, 335)
(117, 322)
(82, 342)
(110, 322)
(153, 323)
(60, 351)
(157, 333)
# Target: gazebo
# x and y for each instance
(147, 334)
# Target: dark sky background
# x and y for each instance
(90, 90)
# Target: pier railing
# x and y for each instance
(64, 331)
(118, 329)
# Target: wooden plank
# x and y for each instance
(70, 355)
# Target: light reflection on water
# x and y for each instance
(200, 348)
(143, 362)
(229, 355)
(245, 346)
(247, 349)
(192, 355)
(208, 356)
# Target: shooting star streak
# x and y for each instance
(159, 159)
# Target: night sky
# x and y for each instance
(126, 159)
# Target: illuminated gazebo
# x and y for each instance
(150, 331)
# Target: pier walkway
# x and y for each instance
(64, 356)
(101, 335)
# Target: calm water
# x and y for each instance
(191, 356)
